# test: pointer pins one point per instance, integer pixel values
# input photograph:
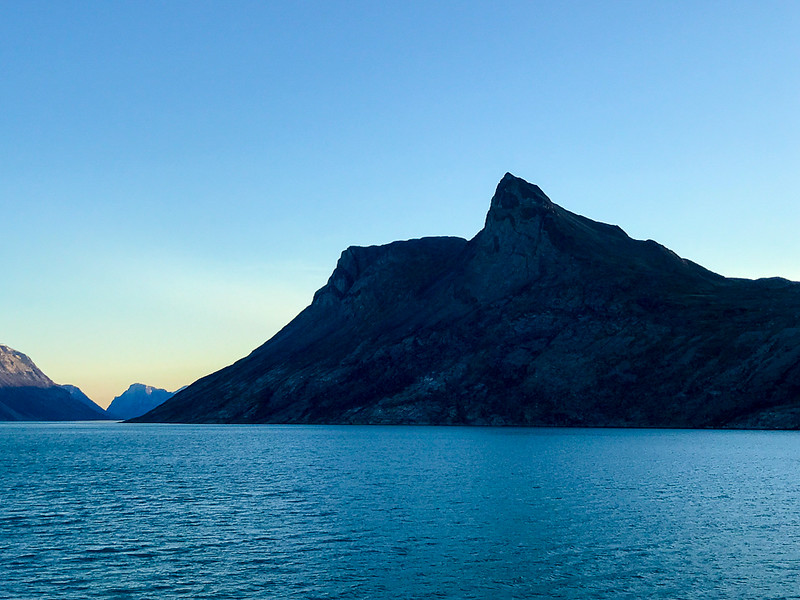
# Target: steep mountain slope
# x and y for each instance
(543, 318)
(137, 400)
(77, 394)
(27, 394)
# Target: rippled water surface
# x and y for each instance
(106, 510)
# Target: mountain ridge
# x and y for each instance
(27, 394)
(135, 401)
(545, 317)
(77, 394)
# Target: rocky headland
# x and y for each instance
(545, 317)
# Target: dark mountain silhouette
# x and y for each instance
(136, 401)
(27, 394)
(545, 317)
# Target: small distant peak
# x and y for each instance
(138, 388)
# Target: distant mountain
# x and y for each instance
(78, 394)
(27, 394)
(545, 317)
(137, 400)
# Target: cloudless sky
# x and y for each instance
(178, 178)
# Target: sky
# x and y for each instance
(178, 178)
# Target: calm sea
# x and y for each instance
(106, 510)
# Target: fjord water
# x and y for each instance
(105, 510)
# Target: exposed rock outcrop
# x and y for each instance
(545, 317)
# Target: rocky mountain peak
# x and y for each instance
(545, 317)
(522, 239)
(16, 369)
(140, 388)
(517, 200)
(137, 400)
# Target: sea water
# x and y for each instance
(109, 510)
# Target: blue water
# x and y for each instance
(105, 510)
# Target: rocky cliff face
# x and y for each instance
(27, 394)
(543, 318)
(137, 400)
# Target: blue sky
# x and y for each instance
(178, 178)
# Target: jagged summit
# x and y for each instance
(545, 317)
(517, 199)
(141, 388)
(521, 213)
(515, 202)
(137, 400)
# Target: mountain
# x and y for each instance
(545, 317)
(78, 394)
(136, 401)
(27, 394)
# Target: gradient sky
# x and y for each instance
(178, 178)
